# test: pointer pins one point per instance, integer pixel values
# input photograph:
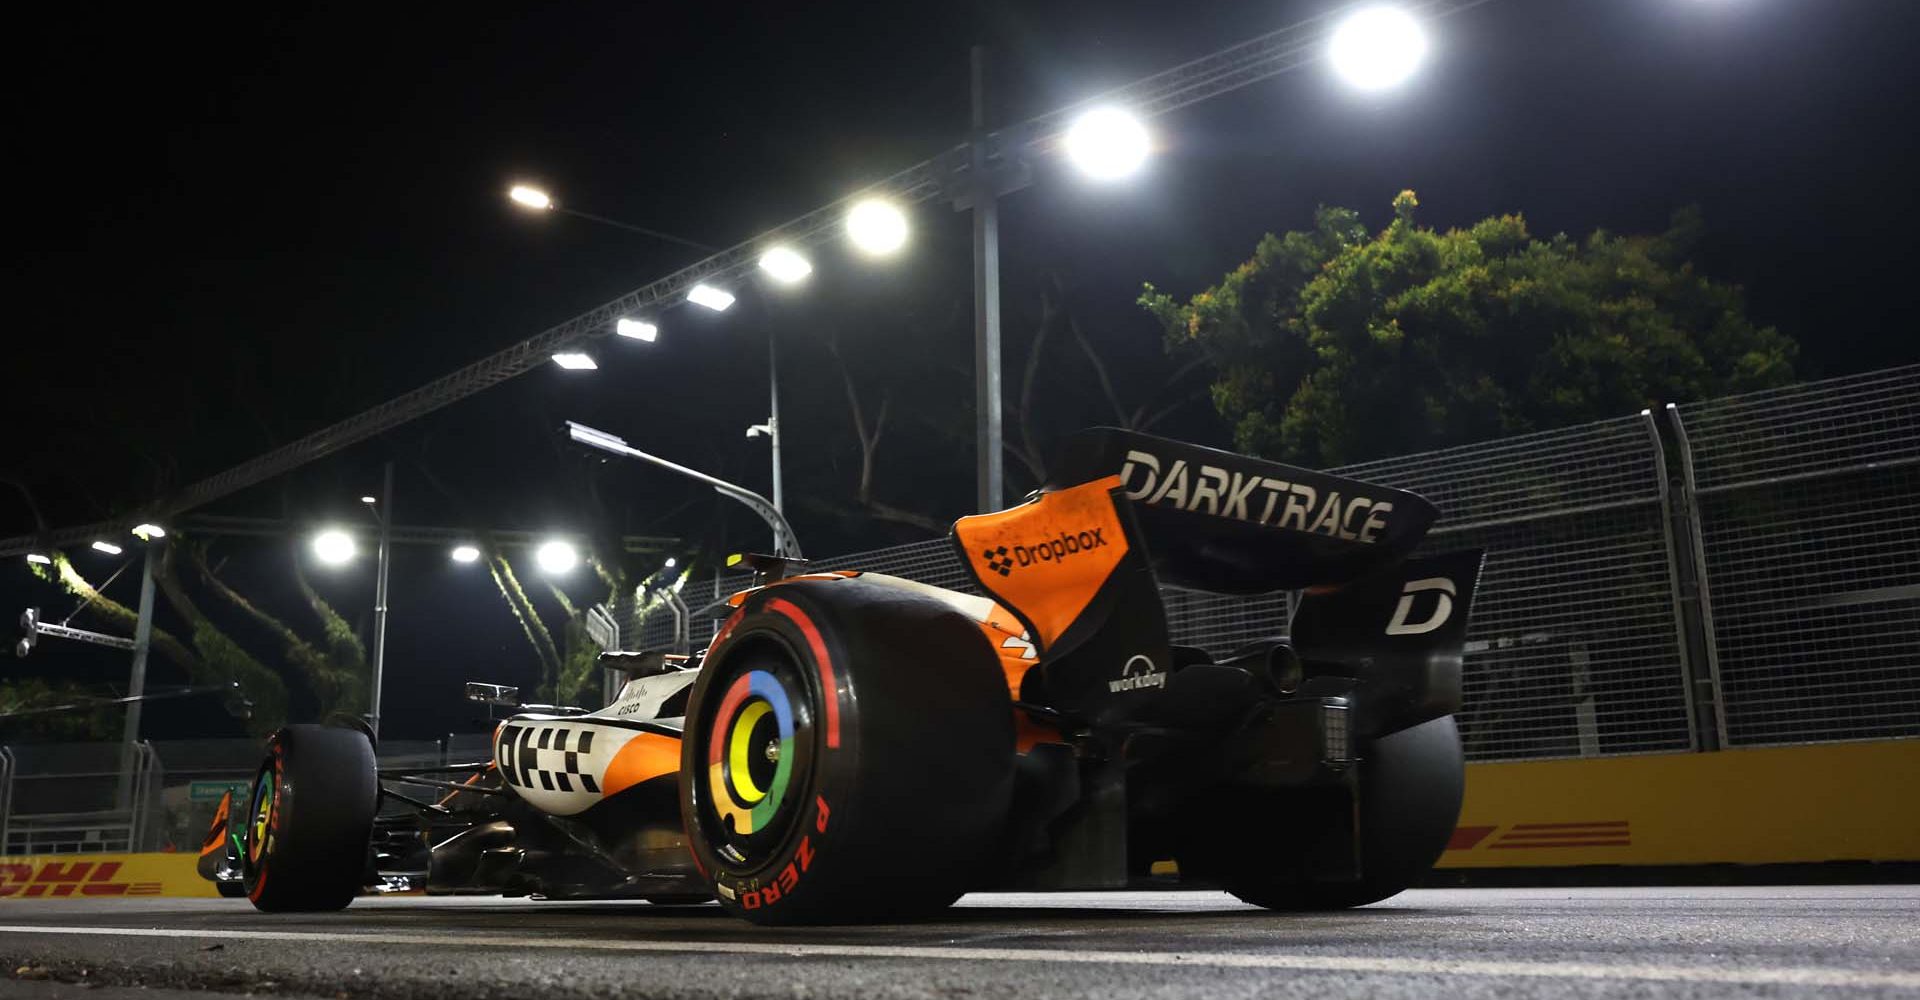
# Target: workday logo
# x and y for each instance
(1002, 559)
(1137, 674)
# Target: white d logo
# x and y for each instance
(1441, 612)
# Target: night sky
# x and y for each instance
(230, 230)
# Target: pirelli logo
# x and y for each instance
(546, 757)
(74, 878)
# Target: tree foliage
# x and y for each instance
(1333, 346)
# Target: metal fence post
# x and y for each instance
(6, 794)
(1681, 635)
(1714, 702)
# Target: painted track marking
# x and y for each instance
(1778, 976)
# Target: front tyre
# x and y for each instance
(310, 820)
(848, 755)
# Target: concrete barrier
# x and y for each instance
(1774, 805)
(94, 876)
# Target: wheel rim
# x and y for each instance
(265, 790)
(758, 753)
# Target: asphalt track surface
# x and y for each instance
(1851, 941)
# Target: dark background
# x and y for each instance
(229, 229)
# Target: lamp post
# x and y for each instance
(772, 427)
(382, 513)
(986, 301)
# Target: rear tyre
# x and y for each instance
(848, 755)
(1411, 786)
(310, 820)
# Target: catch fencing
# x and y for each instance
(1738, 572)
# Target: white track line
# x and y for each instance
(1776, 976)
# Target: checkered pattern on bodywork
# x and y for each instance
(529, 753)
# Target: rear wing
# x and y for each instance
(1213, 520)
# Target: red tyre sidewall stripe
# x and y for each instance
(829, 688)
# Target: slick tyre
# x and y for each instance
(309, 821)
(1411, 786)
(848, 755)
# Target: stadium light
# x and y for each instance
(334, 547)
(877, 227)
(148, 532)
(713, 298)
(785, 265)
(1377, 47)
(1107, 143)
(465, 554)
(531, 197)
(556, 558)
(574, 361)
(108, 547)
(636, 329)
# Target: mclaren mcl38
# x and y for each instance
(858, 747)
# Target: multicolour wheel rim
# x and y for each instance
(750, 753)
(261, 822)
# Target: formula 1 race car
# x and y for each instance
(855, 747)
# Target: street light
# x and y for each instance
(108, 547)
(1377, 47)
(334, 547)
(877, 227)
(636, 329)
(556, 558)
(531, 197)
(148, 532)
(38, 559)
(784, 265)
(465, 554)
(1107, 143)
(713, 298)
(574, 361)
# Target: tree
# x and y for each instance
(1332, 346)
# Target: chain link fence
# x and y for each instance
(1808, 504)
(1763, 588)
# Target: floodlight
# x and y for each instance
(785, 265)
(532, 197)
(574, 361)
(334, 547)
(877, 227)
(1377, 47)
(1107, 143)
(636, 329)
(108, 547)
(711, 297)
(465, 554)
(556, 558)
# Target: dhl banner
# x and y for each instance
(95, 876)
(1774, 805)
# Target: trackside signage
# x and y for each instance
(1209, 489)
(97, 876)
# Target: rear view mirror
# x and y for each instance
(493, 694)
